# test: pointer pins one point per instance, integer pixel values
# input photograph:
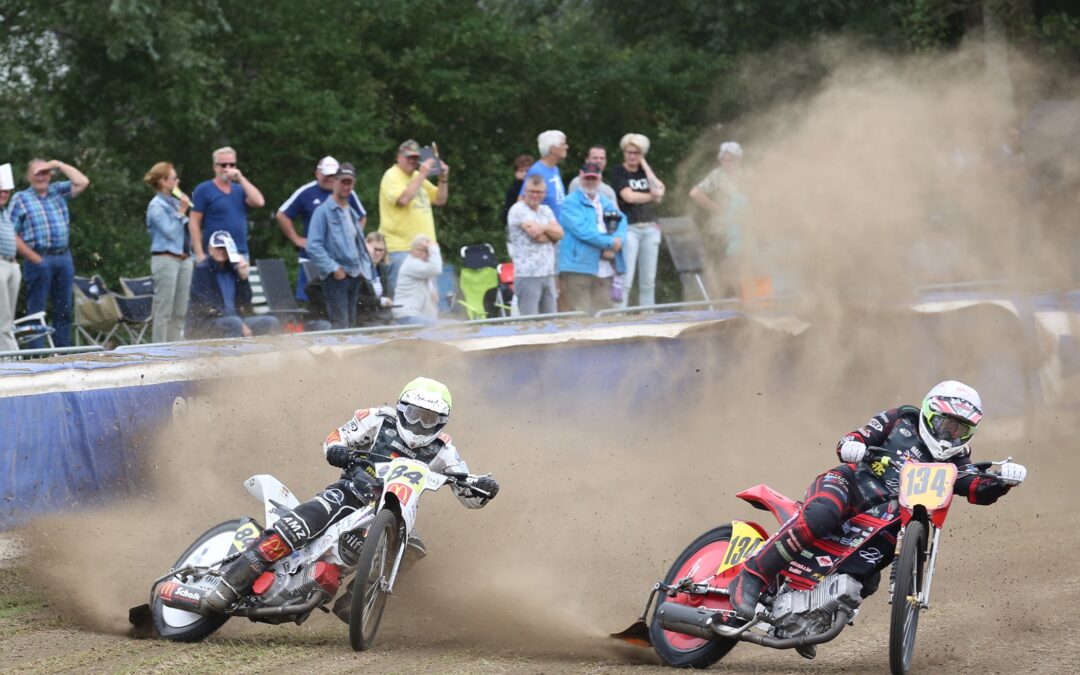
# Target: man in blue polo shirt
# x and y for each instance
(303, 202)
(42, 225)
(553, 150)
(222, 204)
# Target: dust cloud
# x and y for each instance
(606, 476)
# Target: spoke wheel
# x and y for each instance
(910, 567)
(372, 576)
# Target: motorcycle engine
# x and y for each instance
(798, 613)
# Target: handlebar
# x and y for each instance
(464, 480)
(984, 469)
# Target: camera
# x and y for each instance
(611, 221)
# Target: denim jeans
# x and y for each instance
(535, 295)
(233, 326)
(51, 280)
(640, 251)
(342, 298)
(396, 258)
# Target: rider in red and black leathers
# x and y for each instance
(849, 489)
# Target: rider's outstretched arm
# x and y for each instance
(449, 461)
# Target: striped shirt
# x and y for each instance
(7, 236)
(43, 222)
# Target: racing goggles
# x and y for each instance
(416, 416)
(951, 429)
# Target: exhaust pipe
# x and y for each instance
(284, 610)
(696, 621)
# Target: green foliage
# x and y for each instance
(113, 86)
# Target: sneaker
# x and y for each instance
(744, 592)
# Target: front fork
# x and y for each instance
(928, 574)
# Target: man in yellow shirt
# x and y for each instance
(405, 199)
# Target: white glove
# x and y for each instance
(1013, 474)
(852, 452)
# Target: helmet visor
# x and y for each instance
(950, 429)
(416, 416)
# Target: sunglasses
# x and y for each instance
(227, 165)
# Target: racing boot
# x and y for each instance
(807, 651)
(238, 576)
(744, 592)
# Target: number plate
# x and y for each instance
(745, 541)
(927, 485)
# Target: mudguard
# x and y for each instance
(763, 497)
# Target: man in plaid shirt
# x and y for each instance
(42, 230)
(10, 275)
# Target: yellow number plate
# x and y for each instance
(745, 542)
(928, 485)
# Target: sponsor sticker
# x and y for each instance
(824, 560)
(334, 496)
(877, 425)
(401, 491)
(871, 555)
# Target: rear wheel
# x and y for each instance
(369, 593)
(210, 547)
(701, 558)
(905, 599)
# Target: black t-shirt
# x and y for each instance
(638, 182)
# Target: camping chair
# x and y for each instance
(133, 286)
(686, 246)
(97, 314)
(258, 300)
(30, 328)
(479, 279)
(280, 297)
(136, 315)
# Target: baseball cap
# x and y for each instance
(346, 169)
(327, 166)
(409, 148)
(6, 180)
(222, 239)
(590, 169)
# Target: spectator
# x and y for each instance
(220, 292)
(10, 274)
(374, 303)
(639, 192)
(724, 206)
(302, 203)
(531, 235)
(170, 251)
(222, 206)
(591, 250)
(521, 167)
(553, 148)
(405, 200)
(597, 155)
(42, 225)
(414, 299)
(335, 244)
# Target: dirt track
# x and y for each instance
(593, 509)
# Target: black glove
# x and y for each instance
(488, 485)
(338, 456)
(362, 479)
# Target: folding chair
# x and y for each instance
(136, 314)
(280, 297)
(258, 300)
(30, 328)
(479, 279)
(97, 314)
(133, 286)
(686, 246)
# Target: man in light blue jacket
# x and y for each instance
(590, 254)
(335, 243)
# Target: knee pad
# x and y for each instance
(293, 528)
(821, 516)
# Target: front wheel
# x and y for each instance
(210, 547)
(700, 559)
(910, 568)
(372, 576)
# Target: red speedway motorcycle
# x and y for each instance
(817, 594)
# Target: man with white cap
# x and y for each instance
(302, 204)
(10, 274)
(220, 292)
(723, 207)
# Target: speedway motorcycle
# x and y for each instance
(371, 542)
(819, 593)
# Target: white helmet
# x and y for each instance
(423, 409)
(947, 421)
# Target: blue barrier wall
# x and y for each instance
(77, 438)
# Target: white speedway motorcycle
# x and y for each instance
(371, 541)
